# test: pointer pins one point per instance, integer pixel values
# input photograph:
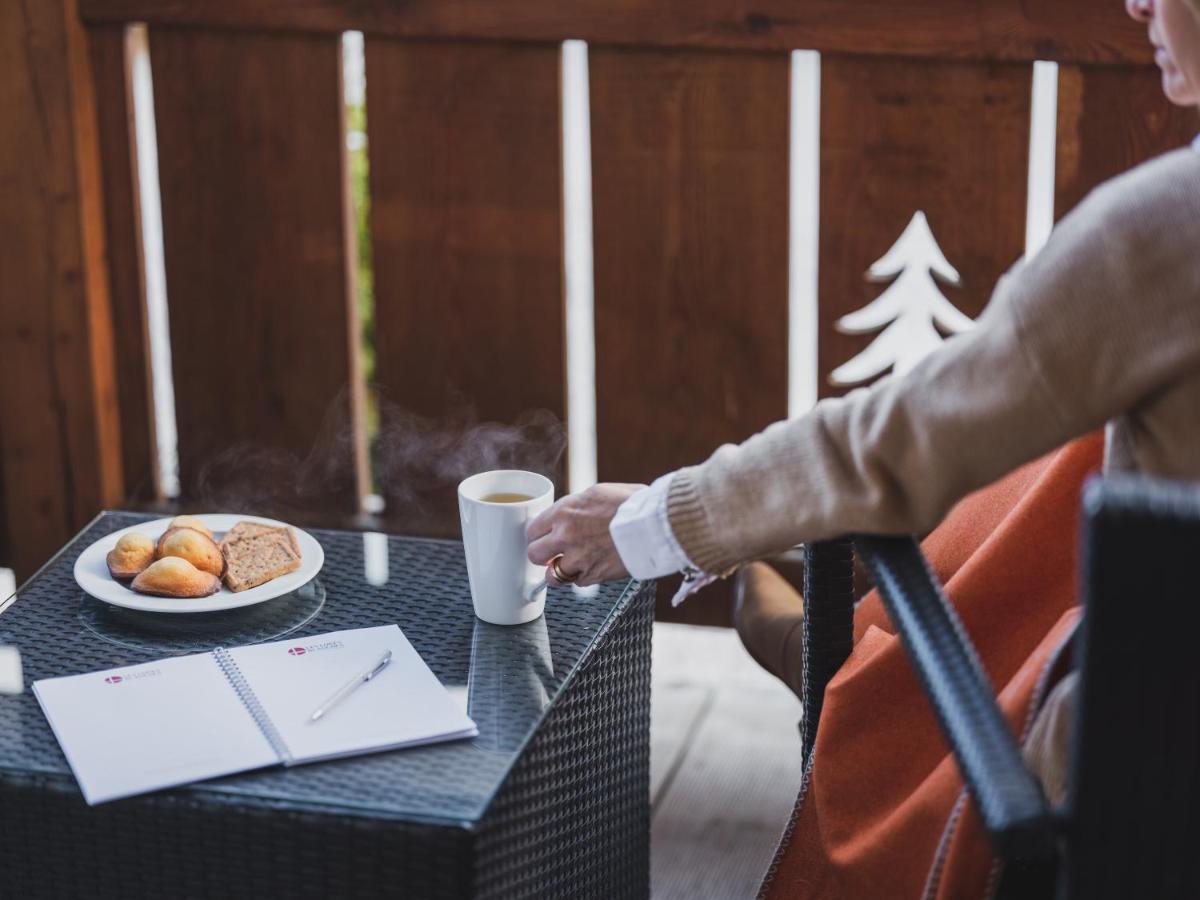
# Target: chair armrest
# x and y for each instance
(1014, 811)
(1135, 773)
(828, 634)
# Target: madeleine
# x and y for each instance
(176, 577)
(198, 549)
(133, 553)
(193, 523)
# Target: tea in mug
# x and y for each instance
(506, 498)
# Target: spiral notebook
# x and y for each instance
(137, 729)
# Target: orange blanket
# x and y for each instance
(884, 813)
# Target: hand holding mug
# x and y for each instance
(572, 540)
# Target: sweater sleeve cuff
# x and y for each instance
(692, 527)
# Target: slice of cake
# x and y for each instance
(256, 529)
(254, 559)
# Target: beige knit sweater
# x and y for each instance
(1103, 325)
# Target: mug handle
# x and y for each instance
(536, 589)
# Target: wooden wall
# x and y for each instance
(1070, 30)
(111, 57)
(258, 253)
(924, 107)
(467, 228)
(60, 460)
(944, 137)
(690, 206)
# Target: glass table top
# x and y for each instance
(506, 677)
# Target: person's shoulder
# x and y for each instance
(1157, 202)
(1139, 228)
(1170, 182)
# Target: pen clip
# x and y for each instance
(379, 666)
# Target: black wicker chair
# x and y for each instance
(1132, 819)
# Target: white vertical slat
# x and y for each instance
(12, 680)
(804, 192)
(577, 252)
(354, 85)
(354, 96)
(375, 558)
(1043, 139)
(162, 384)
(354, 71)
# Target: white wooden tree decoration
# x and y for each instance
(909, 308)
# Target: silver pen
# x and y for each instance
(350, 686)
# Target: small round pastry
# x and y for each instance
(176, 577)
(190, 522)
(198, 549)
(133, 553)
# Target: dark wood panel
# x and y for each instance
(255, 228)
(466, 214)
(1067, 30)
(60, 448)
(897, 137)
(689, 167)
(111, 61)
(1110, 120)
(690, 200)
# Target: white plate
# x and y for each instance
(91, 571)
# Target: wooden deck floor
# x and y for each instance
(724, 763)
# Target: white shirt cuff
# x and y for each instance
(642, 534)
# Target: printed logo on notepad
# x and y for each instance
(313, 648)
(130, 676)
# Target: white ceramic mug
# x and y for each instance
(498, 566)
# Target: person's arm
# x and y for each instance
(889, 459)
(1106, 315)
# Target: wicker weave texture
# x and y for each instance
(579, 795)
(551, 799)
(1135, 793)
(179, 844)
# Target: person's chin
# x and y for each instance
(1177, 89)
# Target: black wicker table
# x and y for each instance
(550, 800)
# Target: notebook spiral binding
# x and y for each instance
(241, 687)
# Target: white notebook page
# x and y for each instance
(404, 705)
(131, 730)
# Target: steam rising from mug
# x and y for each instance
(416, 453)
(417, 462)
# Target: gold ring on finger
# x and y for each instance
(564, 577)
